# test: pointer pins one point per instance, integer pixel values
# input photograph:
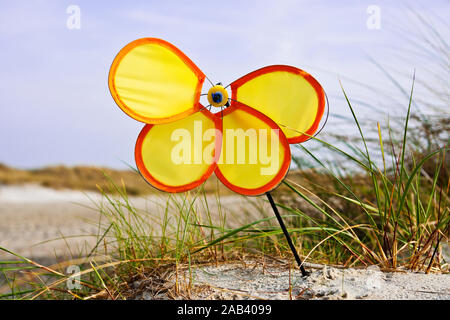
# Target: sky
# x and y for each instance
(55, 106)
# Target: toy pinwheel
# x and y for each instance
(245, 143)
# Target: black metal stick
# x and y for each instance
(286, 234)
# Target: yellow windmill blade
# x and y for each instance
(154, 82)
(255, 154)
(180, 155)
(289, 96)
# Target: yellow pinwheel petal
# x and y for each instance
(180, 155)
(287, 95)
(154, 82)
(255, 154)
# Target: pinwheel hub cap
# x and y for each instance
(218, 96)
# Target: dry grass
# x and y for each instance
(84, 178)
(87, 178)
(77, 178)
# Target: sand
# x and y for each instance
(30, 215)
(255, 281)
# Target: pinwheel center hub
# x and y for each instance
(218, 96)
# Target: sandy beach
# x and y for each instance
(42, 223)
(30, 215)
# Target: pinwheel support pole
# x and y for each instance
(286, 234)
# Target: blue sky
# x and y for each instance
(55, 107)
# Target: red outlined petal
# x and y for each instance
(154, 82)
(289, 96)
(169, 156)
(260, 163)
